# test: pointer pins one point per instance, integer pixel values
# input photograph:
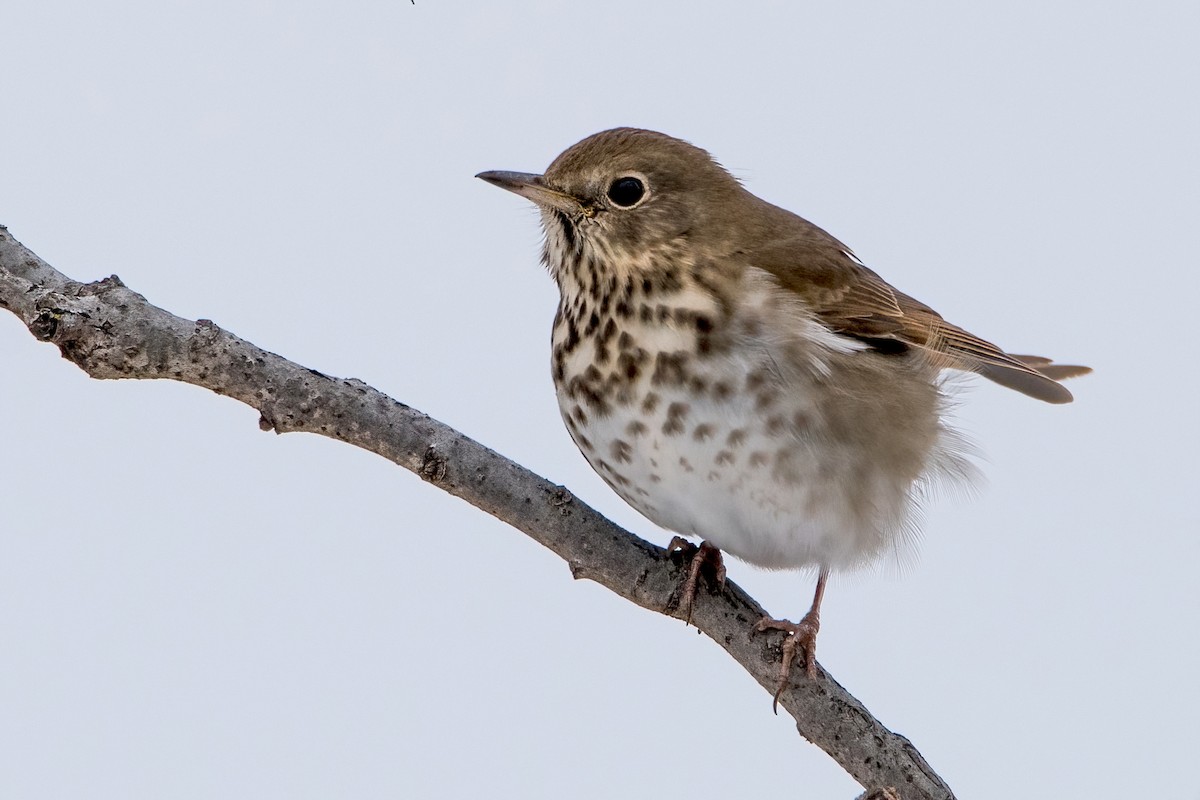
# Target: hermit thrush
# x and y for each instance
(735, 373)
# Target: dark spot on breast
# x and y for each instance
(636, 429)
(627, 365)
(624, 341)
(593, 270)
(592, 324)
(572, 337)
(703, 323)
(722, 390)
(625, 395)
(650, 403)
(765, 399)
(589, 388)
(610, 330)
(736, 437)
(756, 380)
(669, 369)
(676, 413)
(702, 432)
(724, 458)
(622, 453)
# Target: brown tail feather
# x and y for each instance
(1035, 384)
(1048, 368)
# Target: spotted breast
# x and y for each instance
(711, 400)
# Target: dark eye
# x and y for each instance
(626, 192)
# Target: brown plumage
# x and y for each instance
(735, 373)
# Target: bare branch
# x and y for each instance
(110, 331)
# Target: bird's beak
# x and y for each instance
(533, 187)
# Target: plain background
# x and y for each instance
(190, 608)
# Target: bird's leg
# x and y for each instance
(802, 635)
(705, 555)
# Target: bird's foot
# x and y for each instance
(801, 636)
(702, 557)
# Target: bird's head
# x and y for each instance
(626, 198)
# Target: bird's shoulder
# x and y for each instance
(850, 299)
(839, 290)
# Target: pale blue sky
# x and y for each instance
(190, 608)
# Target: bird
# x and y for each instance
(737, 375)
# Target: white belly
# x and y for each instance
(775, 486)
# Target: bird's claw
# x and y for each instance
(801, 636)
(706, 555)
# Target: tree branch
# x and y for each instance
(110, 331)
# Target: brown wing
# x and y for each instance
(852, 300)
